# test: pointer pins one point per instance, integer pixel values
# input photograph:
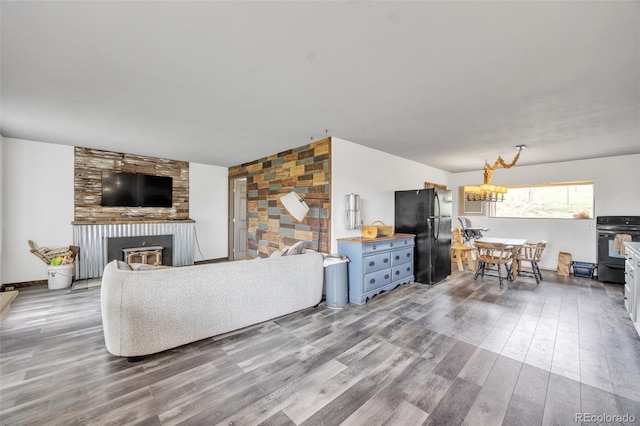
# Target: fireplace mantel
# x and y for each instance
(91, 237)
(132, 221)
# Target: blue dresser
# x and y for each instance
(377, 264)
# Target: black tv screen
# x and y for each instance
(136, 190)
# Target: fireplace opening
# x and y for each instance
(151, 255)
(150, 249)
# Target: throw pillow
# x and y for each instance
(296, 248)
(123, 265)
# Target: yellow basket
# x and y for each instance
(383, 230)
(369, 231)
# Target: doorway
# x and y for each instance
(238, 219)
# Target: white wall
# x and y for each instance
(37, 199)
(208, 206)
(617, 192)
(37, 188)
(37, 204)
(375, 176)
(2, 226)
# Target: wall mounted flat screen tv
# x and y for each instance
(136, 190)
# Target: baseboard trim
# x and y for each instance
(46, 282)
(25, 284)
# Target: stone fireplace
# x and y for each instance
(103, 232)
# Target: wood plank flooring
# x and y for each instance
(460, 352)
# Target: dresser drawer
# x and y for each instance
(377, 246)
(376, 262)
(401, 256)
(373, 247)
(377, 279)
(401, 271)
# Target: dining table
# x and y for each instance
(516, 243)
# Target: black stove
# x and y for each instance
(612, 232)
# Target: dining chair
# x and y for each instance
(531, 253)
(494, 254)
(460, 252)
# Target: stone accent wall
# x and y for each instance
(88, 167)
(307, 170)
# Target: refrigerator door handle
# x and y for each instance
(436, 222)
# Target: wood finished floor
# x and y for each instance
(460, 352)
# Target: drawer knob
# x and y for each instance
(372, 263)
(408, 268)
(397, 257)
(391, 245)
(375, 246)
(386, 261)
(386, 277)
(373, 280)
(408, 254)
(397, 272)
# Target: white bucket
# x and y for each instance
(60, 276)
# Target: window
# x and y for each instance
(568, 200)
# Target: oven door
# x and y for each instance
(611, 261)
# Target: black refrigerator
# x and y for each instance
(427, 214)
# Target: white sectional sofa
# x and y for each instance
(149, 311)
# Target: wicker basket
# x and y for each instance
(383, 230)
(369, 231)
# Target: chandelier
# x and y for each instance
(487, 191)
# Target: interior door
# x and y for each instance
(239, 219)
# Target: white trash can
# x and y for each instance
(60, 276)
(335, 281)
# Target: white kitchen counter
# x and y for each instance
(633, 246)
(632, 282)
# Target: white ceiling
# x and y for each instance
(447, 84)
